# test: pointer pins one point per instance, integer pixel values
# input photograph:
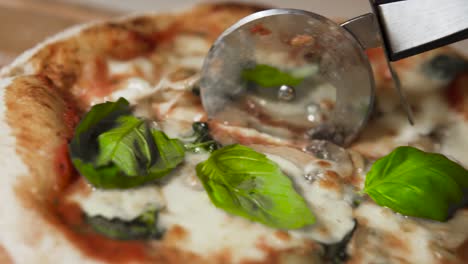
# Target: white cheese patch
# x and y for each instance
(133, 89)
(188, 172)
(184, 85)
(122, 204)
(193, 62)
(189, 45)
(176, 128)
(117, 67)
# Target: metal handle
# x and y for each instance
(413, 26)
(366, 30)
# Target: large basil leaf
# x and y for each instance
(246, 183)
(113, 149)
(415, 183)
(268, 76)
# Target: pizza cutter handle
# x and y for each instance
(415, 26)
(365, 29)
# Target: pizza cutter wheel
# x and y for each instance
(298, 75)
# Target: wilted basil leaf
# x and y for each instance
(416, 183)
(246, 183)
(141, 228)
(202, 140)
(117, 150)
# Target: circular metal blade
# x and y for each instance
(289, 73)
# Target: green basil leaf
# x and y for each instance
(117, 150)
(99, 119)
(246, 183)
(268, 76)
(142, 227)
(127, 146)
(416, 183)
(170, 151)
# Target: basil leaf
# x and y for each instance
(142, 227)
(113, 149)
(126, 145)
(415, 183)
(246, 183)
(268, 76)
(100, 118)
(202, 142)
(170, 151)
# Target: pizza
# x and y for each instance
(109, 157)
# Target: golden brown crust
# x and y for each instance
(38, 113)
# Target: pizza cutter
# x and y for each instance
(299, 75)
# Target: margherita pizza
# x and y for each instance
(108, 157)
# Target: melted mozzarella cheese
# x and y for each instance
(403, 240)
(140, 64)
(190, 45)
(126, 205)
(190, 51)
(133, 89)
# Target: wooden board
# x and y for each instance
(23, 23)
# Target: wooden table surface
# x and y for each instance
(24, 23)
